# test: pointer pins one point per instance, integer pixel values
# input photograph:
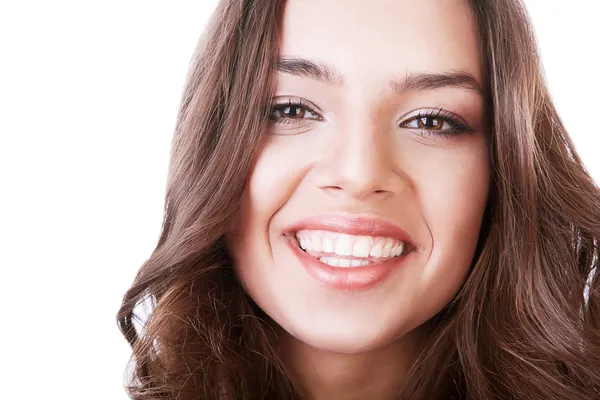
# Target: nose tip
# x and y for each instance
(362, 172)
(361, 188)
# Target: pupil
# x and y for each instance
(429, 122)
(292, 111)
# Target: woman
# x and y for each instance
(370, 202)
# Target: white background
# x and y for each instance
(89, 92)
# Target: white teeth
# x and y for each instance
(302, 242)
(376, 250)
(333, 261)
(345, 263)
(362, 247)
(385, 252)
(397, 250)
(316, 243)
(344, 245)
(327, 244)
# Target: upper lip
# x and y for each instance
(358, 225)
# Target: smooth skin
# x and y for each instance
(353, 146)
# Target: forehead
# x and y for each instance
(375, 40)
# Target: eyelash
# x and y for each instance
(459, 126)
(293, 104)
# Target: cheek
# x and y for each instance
(277, 171)
(453, 193)
(272, 180)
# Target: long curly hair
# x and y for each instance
(524, 325)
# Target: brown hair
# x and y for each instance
(520, 327)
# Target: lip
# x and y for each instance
(363, 226)
(348, 278)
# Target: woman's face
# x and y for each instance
(376, 158)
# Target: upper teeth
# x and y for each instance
(349, 245)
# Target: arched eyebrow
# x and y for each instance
(417, 81)
(304, 68)
(412, 81)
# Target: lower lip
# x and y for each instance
(348, 278)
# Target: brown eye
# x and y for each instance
(289, 111)
(292, 111)
(430, 123)
(437, 122)
(427, 123)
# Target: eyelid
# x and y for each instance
(432, 111)
(310, 106)
(437, 112)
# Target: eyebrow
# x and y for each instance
(412, 81)
(428, 81)
(308, 69)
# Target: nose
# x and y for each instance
(359, 162)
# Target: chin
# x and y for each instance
(346, 338)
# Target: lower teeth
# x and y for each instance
(342, 262)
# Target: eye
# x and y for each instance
(293, 110)
(436, 122)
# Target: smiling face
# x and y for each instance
(375, 163)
